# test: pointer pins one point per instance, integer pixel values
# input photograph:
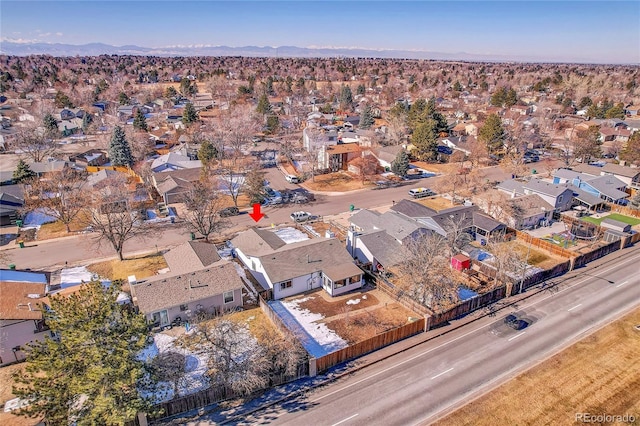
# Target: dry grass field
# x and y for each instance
(536, 257)
(336, 182)
(58, 229)
(436, 203)
(599, 375)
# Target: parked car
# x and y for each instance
(514, 322)
(292, 179)
(300, 216)
(229, 211)
(421, 192)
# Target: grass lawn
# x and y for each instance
(58, 229)
(141, 267)
(336, 182)
(615, 216)
(599, 374)
(435, 203)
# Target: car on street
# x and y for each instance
(229, 211)
(515, 322)
(292, 179)
(300, 216)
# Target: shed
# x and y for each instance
(616, 225)
(460, 262)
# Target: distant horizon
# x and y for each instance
(514, 31)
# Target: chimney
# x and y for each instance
(513, 194)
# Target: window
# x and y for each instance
(560, 199)
(228, 296)
(184, 307)
(285, 285)
(354, 279)
(339, 283)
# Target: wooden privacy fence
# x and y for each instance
(596, 254)
(541, 276)
(627, 211)
(467, 306)
(120, 169)
(397, 294)
(545, 245)
(366, 346)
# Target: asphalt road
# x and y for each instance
(420, 385)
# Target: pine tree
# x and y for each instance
(346, 98)
(207, 152)
(425, 139)
(88, 373)
(510, 98)
(23, 172)
(361, 89)
(123, 99)
(400, 165)
(140, 121)
(254, 185)
(366, 118)
(492, 133)
(50, 124)
(189, 115)
(119, 149)
(631, 151)
(273, 123)
(264, 107)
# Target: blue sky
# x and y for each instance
(602, 31)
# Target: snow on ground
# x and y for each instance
(318, 331)
(71, 277)
(225, 252)
(353, 301)
(243, 275)
(291, 235)
(35, 218)
(194, 379)
(152, 216)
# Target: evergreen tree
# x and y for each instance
(170, 92)
(273, 123)
(50, 124)
(119, 149)
(346, 98)
(23, 172)
(366, 118)
(457, 87)
(189, 115)
(207, 152)
(87, 119)
(254, 185)
(361, 89)
(417, 113)
(616, 111)
(264, 107)
(123, 99)
(400, 165)
(499, 96)
(89, 372)
(140, 121)
(592, 111)
(511, 98)
(425, 139)
(492, 133)
(62, 101)
(585, 102)
(631, 151)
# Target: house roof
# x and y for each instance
(162, 292)
(412, 209)
(546, 188)
(460, 215)
(608, 185)
(48, 166)
(191, 256)
(343, 148)
(174, 161)
(173, 183)
(584, 196)
(512, 186)
(567, 174)
(257, 242)
(364, 219)
(16, 297)
(532, 205)
(485, 222)
(588, 169)
(386, 249)
(305, 257)
(619, 170)
(95, 178)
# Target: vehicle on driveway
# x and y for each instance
(514, 322)
(421, 192)
(300, 216)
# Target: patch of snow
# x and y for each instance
(291, 235)
(353, 301)
(225, 253)
(318, 331)
(36, 218)
(164, 270)
(70, 277)
(241, 272)
(364, 296)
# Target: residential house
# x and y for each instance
(486, 228)
(523, 212)
(560, 196)
(289, 269)
(632, 110)
(48, 166)
(174, 161)
(212, 290)
(629, 175)
(386, 155)
(471, 129)
(173, 185)
(70, 127)
(618, 134)
(21, 303)
(191, 256)
(608, 187)
(93, 157)
(94, 179)
(337, 157)
(10, 205)
(125, 112)
(522, 109)
(315, 137)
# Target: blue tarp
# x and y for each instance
(465, 294)
(312, 347)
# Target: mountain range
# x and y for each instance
(93, 49)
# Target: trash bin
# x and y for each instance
(534, 171)
(193, 236)
(21, 244)
(352, 208)
(12, 266)
(173, 219)
(19, 223)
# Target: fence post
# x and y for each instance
(313, 369)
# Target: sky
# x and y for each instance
(599, 31)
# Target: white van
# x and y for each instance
(292, 179)
(421, 192)
(300, 216)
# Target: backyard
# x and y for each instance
(141, 267)
(614, 216)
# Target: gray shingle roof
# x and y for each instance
(608, 185)
(585, 197)
(305, 257)
(413, 209)
(257, 242)
(365, 219)
(567, 174)
(386, 249)
(511, 185)
(485, 222)
(191, 256)
(546, 188)
(162, 292)
(532, 205)
(619, 170)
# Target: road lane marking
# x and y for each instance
(344, 420)
(622, 283)
(462, 336)
(577, 306)
(516, 336)
(440, 374)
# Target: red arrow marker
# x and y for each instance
(256, 215)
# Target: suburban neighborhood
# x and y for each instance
(202, 239)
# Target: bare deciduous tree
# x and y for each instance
(203, 210)
(32, 142)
